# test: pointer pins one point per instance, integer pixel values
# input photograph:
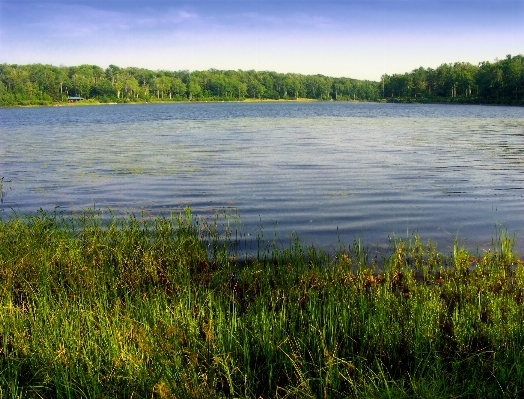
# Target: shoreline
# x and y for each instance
(299, 100)
(85, 103)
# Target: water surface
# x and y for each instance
(327, 171)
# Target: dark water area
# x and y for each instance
(329, 172)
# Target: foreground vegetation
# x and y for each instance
(499, 82)
(127, 307)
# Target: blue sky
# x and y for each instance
(357, 39)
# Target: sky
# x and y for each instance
(361, 39)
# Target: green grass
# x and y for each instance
(138, 308)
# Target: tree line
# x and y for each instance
(500, 82)
(45, 84)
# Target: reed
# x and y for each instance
(102, 306)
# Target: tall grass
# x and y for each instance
(167, 307)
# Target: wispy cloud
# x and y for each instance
(257, 18)
(155, 19)
(369, 37)
(79, 20)
(313, 21)
(59, 20)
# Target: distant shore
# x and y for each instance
(247, 100)
(299, 100)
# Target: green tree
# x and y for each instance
(512, 70)
(80, 85)
(103, 90)
(194, 88)
(178, 88)
(419, 83)
(255, 88)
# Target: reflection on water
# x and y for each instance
(327, 171)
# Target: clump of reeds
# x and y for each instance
(166, 307)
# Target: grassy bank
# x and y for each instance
(165, 308)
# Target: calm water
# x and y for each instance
(326, 171)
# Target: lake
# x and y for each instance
(329, 172)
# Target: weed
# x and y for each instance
(170, 307)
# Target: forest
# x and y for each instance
(498, 82)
